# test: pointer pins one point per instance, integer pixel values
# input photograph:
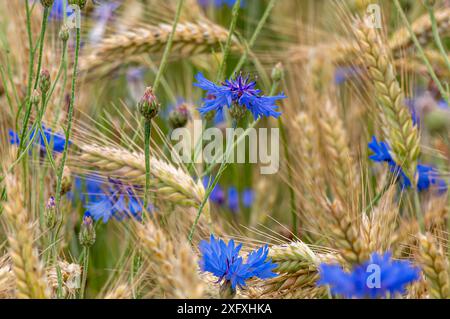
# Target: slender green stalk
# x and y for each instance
(436, 35)
(85, 271)
(41, 48)
(67, 138)
(226, 51)
(69, 120)
(165, 57)
(255, 35)
(421, 52)
(223, 166)
(147, 135)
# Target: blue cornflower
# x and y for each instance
(55, 140)
(427, 176)
(233, 199)
(113, 199)
(382, 153)
(248, 197)
(376, 278)
(239, 92)
(57, 11)
(217, 195)
(224, 262)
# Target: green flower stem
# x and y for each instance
(66, 144)
(147, 135)
(223, 166)
(226, 51)
(41, 48)
(436, 35)
(85, 271)
(255, 35)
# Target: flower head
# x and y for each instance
(233, 199)
(224, 262)
(239, 93)
(375, 278)
(248, 197)
(110, 200)
(55, 140)
(427, 176)
(217, 195)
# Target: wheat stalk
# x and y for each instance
(26, 266)
(189, 39)
(176, 265)
(169, 182)
(397, 124)
(435, 266)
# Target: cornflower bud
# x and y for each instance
(148, 105)
(47, 3)
(80, 3)
(44, 81)
(87, 231)
(50, 213)
(278, 72)
(179, 116)
(64, 33)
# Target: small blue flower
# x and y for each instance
(428, 177)
(240, 92)
(57, 11)
(248, 197)
(55, 140)
(376, 278)
(113, 199)
(217, 195)
(224, 262)
(233, 199)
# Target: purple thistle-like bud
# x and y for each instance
(179, 116)
(44, 81)
(87, 231)
(50, 213)
(80, 3)
(47, 3)
(148, 105)
(64, 33)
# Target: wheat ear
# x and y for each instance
(435, 266)
(380, 225)
(292, 257)
(171, 183)
(397, 124)
(176, 265)
(26, 266)
(335, 148)
(189, 39)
